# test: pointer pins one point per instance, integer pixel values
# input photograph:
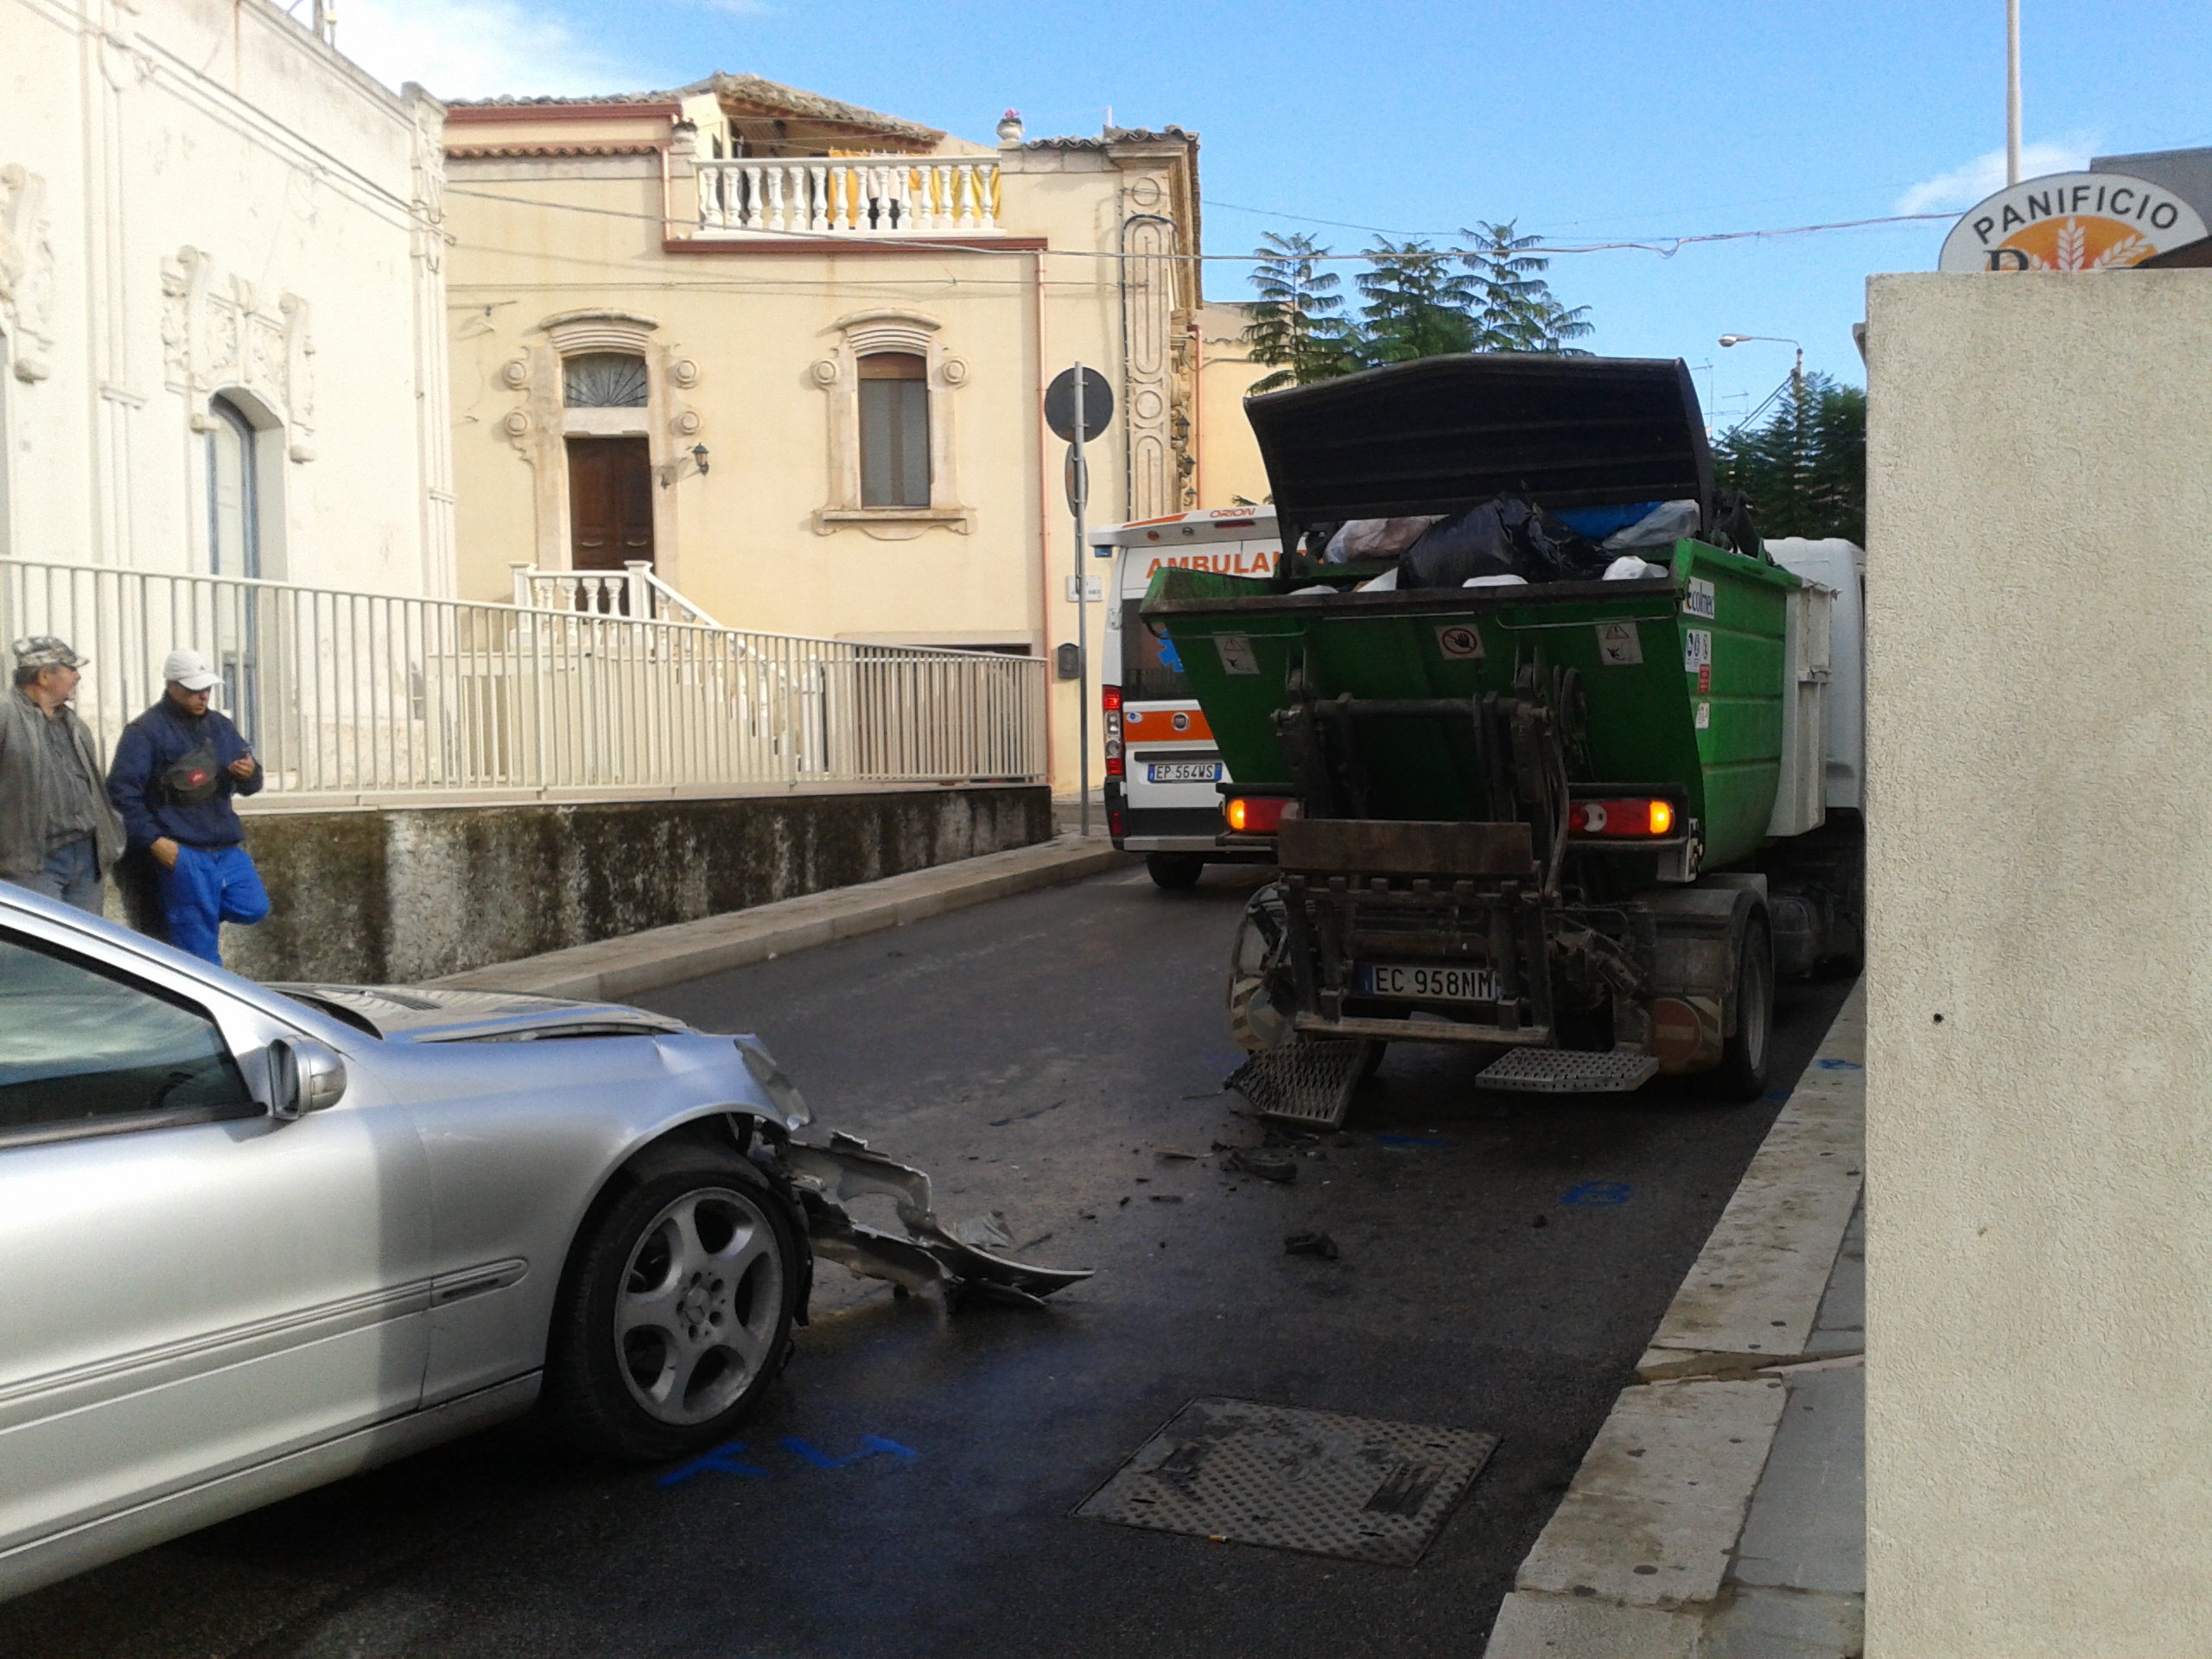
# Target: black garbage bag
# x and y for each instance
(1504, 536)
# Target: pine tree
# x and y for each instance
(1515, 311)
(1297, 325)
(1805, 468)
(1415, 304)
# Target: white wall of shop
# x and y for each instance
(202, 198)
(2040, 1246)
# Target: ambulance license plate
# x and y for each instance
(1183, 771)
(1416, 981)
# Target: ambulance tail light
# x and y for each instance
(1110, 701)
(1257, 814)
(1633, 818)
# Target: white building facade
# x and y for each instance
(222, 300)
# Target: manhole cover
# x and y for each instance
(1315, 1481)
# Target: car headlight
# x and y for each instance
(783, 1094)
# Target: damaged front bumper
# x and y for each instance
(825, 1179)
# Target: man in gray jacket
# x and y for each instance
(58, 836)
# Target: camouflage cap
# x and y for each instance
(44, 651)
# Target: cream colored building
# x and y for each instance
(792, 354)
(221, 299)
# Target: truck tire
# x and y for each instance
(1742, 1073)
(1175, 872)
(1258, 979)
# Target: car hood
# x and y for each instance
(431, 1014)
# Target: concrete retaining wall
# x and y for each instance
(404, 893)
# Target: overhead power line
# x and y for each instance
(1665, 246)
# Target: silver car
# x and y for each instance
(254, 1238)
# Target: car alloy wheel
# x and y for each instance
(696, 1317)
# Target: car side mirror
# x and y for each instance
(304, 1075)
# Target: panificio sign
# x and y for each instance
(2071, 221)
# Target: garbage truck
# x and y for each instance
(1575, 811)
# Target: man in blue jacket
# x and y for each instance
(176, 767)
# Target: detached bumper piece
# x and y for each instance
(1568, 1072)
(1310, 1084)
(828, 1177)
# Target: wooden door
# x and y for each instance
(610, 503)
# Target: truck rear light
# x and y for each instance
(1256, 815)
(1113, 825)
(1631, 819)
(1109, 698)
(1115, 767)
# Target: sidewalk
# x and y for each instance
(1720, 1512)
(616, 970)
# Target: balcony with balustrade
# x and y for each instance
(878, 198)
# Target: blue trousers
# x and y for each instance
(72, 874)
(209, 886)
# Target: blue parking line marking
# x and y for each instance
(1839, 1065)
(722, 1460)
(1597, 1192)
(870, 1445)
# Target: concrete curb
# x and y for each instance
(616, 970)
(1636, 1561)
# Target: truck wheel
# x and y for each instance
(1259, 981)
(1742, 1073)
(675, 1313)
(1174, 872)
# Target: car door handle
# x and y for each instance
(474, 1282)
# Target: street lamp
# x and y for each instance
(1798, 374)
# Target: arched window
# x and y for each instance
(895, 430)
(233, 493)
(603, 380)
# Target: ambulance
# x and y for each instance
(1164, 776)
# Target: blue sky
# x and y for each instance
(1583, 121)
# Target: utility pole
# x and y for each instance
(2012, 91)
(1082, 610)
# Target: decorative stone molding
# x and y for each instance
(864, 334)
(515, 374)
(1147, 300)
(216, 335)
(683, 373)
(26, 269)
(573, 332)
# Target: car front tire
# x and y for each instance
(675, 1313)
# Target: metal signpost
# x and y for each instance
(1077, 405)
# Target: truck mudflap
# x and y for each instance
(827, 1178)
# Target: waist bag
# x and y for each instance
(192, 780)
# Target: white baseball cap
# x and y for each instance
(189, 669)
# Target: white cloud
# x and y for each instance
(1962, 186)
(478, 48)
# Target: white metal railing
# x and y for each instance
(633, 591)
(871, 194)
(359, 693)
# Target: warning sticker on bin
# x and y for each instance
(1456, 639)
(1697, 648)
(1618, 646)
(1236, 651)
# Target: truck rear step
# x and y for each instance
(1307, 1084)
(1568, 1072)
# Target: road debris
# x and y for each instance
(1318, 1244)
(1167, 1197)
(1268, 1163)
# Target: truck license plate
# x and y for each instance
(1183, 771)
(1424, 982)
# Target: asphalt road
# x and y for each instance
(907, 1490)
